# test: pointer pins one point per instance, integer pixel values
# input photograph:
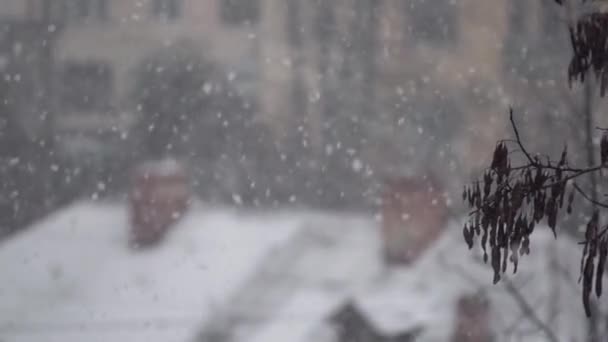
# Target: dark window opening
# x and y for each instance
(552, 33)
(166, 9)
(87, 86)
(47, 10)
(435, 22)
(67, 10)
(78, 10)
(240, 12)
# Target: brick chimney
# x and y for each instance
(472, 319)
(414, 215)
(159, 196)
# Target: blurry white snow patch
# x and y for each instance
(72, 277)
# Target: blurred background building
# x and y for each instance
(278, 102)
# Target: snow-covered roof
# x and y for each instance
(268, 278)
(300, 318)
(72, 277)
(329, 258)
(427, 292)
(397, 300)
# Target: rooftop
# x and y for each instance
(72, 276)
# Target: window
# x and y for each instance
(35, 9)
(43, 9)
(552, 33)
(87, 86)
(102, 9)
(166, 9)
(240, 12)
(68, 10)
(434, 21)
(294, 28)
(77, 10)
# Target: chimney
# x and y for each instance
(159, 196)
(414, 215)
(472, 319)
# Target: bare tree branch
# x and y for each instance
(518, 138)
(526, 308)
(528, 311)
(591, 200)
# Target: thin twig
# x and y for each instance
(461, 271)
(563, 272)
(526, 308)
(533, 162)
(599, 236)
(585, 196)
(528, 311)
(517, 137)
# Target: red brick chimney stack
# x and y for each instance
(160, 195)
(472, 319)
(414, 215)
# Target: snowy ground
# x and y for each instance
(261, 277)
(73, 278)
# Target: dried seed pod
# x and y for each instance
(510, 226)
(555, 190)
(478, 196)
(484, 240)
(496, 157)
(552, 215)
(517, 197)
(591, 231)
(499, 233)
(505, 257)
(570, 200)
(601, 264)
(562, 159)
(531, 226)
(587, 284)
(562, 192)
(604, 149)
(485, 223)
(525, 246)
(583, 258)
(496, 264)
(504, 166)
(468, 236)
(487, 185)
(539, 180)
(539, 209)
(528, 177)
(514, 258)
(493, 228)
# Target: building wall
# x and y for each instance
(412, 68)
(403, 60)
(132, 31)
(275, 62)
(13, 8)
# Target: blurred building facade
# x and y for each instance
(365, 88)
(102, 41)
